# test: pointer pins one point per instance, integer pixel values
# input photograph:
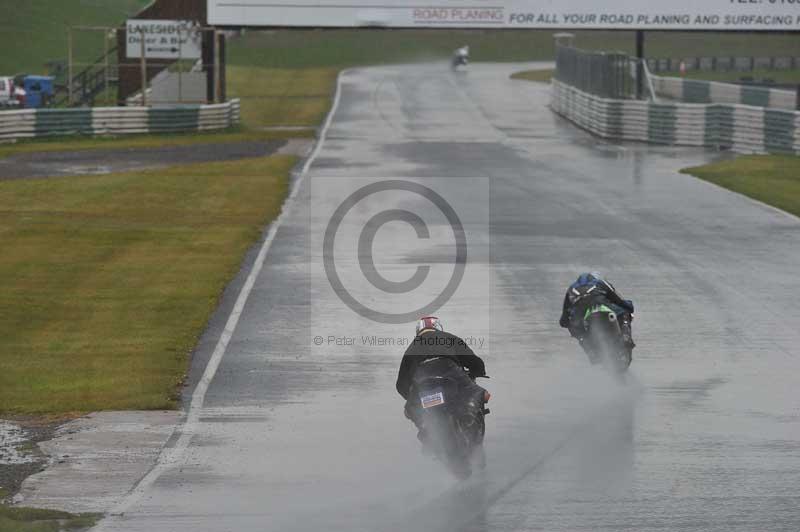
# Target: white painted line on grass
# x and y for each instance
(171, 456)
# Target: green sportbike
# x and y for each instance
(603, 340)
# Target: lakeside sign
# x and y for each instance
(731, 15)
(163, 39)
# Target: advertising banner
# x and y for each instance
(729, 15)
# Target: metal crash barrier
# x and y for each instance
(739, 128)
(32, 123)
(597, 92)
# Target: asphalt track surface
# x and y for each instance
(292, 436)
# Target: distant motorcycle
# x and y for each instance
(453, 423)
(603, 341)
(460, 58)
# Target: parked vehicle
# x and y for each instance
(19, 95)
(7, 92)
(38, 91)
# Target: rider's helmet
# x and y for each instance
(583, 286)
(588, 278)
(429, 322)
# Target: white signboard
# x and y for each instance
(163, 39)
(567, 14)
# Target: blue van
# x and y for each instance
(38, 91)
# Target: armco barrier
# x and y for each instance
(30, 123)
(699, 91)
(741, 128)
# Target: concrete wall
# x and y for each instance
(171, 87)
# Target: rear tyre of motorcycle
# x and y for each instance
(460, 467)
(622, 364)
(459, 456)
(478, 458)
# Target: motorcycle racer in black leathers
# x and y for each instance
(590, 289)
(437, 353)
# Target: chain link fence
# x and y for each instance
(604, 74)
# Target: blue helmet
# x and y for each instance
(589, 278)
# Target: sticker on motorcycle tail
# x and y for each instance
(434, 399)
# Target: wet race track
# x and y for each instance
(294, 436)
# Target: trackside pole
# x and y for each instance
(217, 92)
(797, 99)
(639, 64)
(180, 65)
(106, 65)
(143, 66)
(69, 67)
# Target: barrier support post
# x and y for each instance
(639, 66)
(69, 67)
(217, 91)
(107, 69)
(180, 65)
(143, 66)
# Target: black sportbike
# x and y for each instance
(453, 422)
(604, 341)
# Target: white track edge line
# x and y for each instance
(170, 455)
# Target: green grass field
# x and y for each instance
(108, 281)
(773, 179)
(282, 97)
(36, 30)
(16, 519)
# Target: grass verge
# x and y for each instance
(16, 519)
(274, 97)
(778, 76)
(773, 179)
(542, 76)
(108, 281)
